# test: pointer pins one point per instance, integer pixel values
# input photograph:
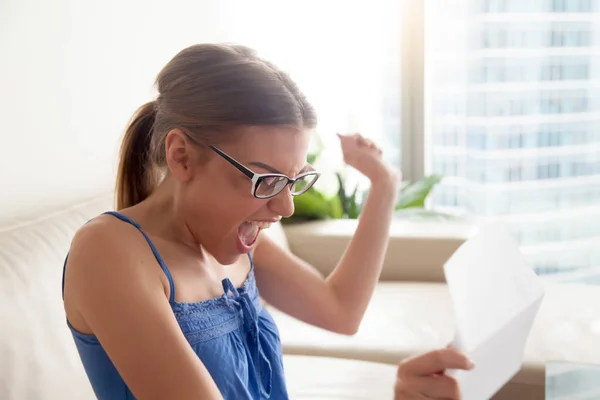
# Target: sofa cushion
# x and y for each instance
(277, 234)
(407, 318)
(39, 359)
(322, 378)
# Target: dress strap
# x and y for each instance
(161, 262)
(251, 263)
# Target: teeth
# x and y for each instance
(261, 225)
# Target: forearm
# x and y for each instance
(354, 278)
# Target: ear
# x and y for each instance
(180, 155)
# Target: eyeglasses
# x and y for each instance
(265, 186)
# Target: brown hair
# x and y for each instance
(205, 90)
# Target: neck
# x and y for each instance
(160, 215)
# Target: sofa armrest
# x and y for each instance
(416, 252)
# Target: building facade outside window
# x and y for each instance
(522, 114)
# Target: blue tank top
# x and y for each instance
(234, 336)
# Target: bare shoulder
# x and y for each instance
(104, 233)
(107, 258)
(109, 245)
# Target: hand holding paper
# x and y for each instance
(495, 296)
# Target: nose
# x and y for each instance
(283, 203)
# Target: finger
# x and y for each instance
(370, 143)
(437, 387)
(375, 149)
(402, 393)
(344, 137)
(434, 361)
(373, 146)
(349, 141)
(361, 140)
(345, 141)
(441, 371)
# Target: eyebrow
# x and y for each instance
(267, 167)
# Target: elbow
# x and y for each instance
(345, 321)
(347, 327)
(350, 331)
(343, 318)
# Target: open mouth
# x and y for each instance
(249, 230)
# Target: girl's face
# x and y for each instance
(228, 199)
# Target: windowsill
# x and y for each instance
(400, 229)
(416, 252)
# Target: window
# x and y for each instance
(532, 121)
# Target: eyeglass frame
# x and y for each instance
(256, 177)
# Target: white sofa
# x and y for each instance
(409, 313)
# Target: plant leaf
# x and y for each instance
(335, 207)
(404, 185)
(311, 158)
(415, 194)
(342, 193)
(353, 206)
(312, 205)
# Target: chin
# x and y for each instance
(238, 243)
(229, 252)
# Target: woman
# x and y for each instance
(162, 296)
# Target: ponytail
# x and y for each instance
(135, 177)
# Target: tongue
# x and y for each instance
(247, 233)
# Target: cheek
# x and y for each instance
(240, 207)
(225, 201)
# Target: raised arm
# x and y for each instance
(338, 302)
(114, 288)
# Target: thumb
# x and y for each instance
(343, 139)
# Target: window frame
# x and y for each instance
(414, 136)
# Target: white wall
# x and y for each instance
(72, 73)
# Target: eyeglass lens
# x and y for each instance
(269, 186)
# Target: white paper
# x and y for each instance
(495, 297)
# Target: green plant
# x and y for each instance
(315, 205)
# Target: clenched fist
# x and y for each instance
(364, 156)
